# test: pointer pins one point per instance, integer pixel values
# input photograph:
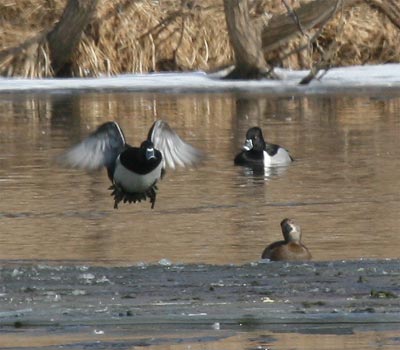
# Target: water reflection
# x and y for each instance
(342, 188)
(266, 173)
(139, 337)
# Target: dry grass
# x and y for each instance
(145, 35)
(367, 37)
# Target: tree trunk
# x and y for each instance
(280, 29)
(245, 39)
(65, 36)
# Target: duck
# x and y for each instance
(133, 171)
(291, 248)
(257, 152)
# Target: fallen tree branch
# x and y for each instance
(280, 29)
(325, 62)
(15, 50)
(390, 8)
(296, 19)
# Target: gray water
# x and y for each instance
(343, 188)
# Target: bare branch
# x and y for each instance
(296, 19)
(325, 62)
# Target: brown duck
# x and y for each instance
(291, 249)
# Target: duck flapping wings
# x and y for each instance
(102, 147)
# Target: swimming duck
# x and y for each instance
(291, 249)
(257, 152)
(133, 171)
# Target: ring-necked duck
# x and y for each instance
(291, 249)
(133, 171)
(257, 152)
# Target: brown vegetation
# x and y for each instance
(143, 36)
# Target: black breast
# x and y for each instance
(249, 158)
(133, 158)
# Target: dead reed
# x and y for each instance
(148, 35)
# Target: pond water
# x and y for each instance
(343, 188)
(133, 337)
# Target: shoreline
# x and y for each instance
(348, 304)
(270, 293)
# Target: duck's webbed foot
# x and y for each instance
(120, 195)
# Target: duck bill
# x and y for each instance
(150, 153)
(248, 145)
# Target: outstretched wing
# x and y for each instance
(175, 151)
(99, 149)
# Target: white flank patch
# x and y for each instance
(280, 158)
(132, 182)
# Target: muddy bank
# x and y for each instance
(254, 294)
(47, 306)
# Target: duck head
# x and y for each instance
(291, 231)
(147, 149)
(254, 140)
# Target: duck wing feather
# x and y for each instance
(174, 150)
(100, 148)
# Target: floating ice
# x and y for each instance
(165, 262)
(358, 79)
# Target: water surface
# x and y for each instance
(128, 337)
(343, 188)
